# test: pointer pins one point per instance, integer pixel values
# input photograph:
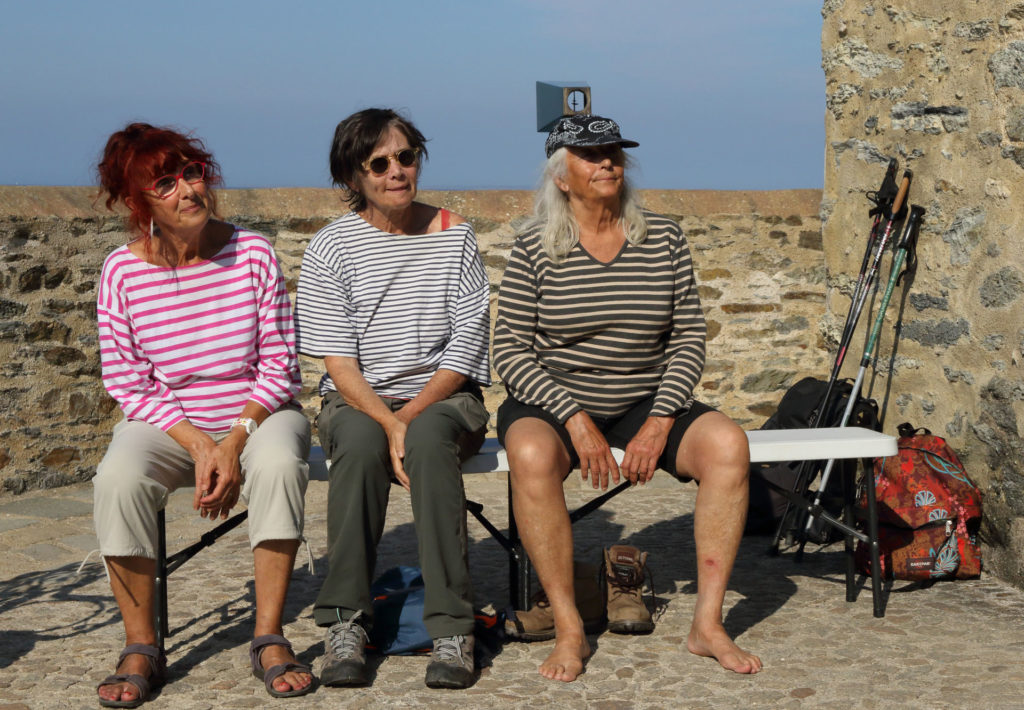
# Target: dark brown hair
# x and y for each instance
(354, 141)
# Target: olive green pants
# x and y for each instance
(360, 479)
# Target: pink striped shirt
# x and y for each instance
(197, 342)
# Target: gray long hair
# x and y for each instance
(560, 231)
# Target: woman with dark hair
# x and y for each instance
(197, 347)
(599, 340)
(394, 298)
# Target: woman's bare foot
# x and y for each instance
(133, 664)
(292, 680)
(565, 662)
(714, 642)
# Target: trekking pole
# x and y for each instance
(864, 282)
(889, 203)
(905, 245)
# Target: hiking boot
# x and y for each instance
(345, 661)
(538, 623)
(451, 663)
(625, 568)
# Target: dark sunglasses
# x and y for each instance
(379, 165)
(167, 185)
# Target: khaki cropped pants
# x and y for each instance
(143, 465)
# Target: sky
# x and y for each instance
(722, 95)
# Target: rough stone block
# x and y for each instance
(1002, 288)
(1007, 65)
(964, 234)
(990, 138)
(974, 31)
(941, 332)
(810, 240)
(864, 151)
(1015, 123)
(56, 278)
(9, 309)
(47, 330)
(31, 279)
(924, 301)
(855, 55)
(1014, 153)
(770, 380)
(61, 456)
(734, 308)
(63, 355)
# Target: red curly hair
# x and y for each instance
(140, 153)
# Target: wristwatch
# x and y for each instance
(249, 424)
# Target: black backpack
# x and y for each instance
(797, 410)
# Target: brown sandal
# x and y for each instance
(269, 675)
(157, 675)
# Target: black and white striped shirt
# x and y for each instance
(601, 337)
(402, 305)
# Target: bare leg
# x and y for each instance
(132, 581)
(538, 462)
(273, 561)
(714, 451)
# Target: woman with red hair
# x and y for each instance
(198, 348)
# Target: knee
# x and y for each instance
(532, 464)
(733, 449)
(362, 449)
(723, 452)
(280, 466)
(119, 477)
(435, 450)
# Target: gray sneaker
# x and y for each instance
(451, 663)
(345, 661)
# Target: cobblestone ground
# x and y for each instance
(953, 645)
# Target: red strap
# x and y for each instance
(445, 218)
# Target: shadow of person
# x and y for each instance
(208, 630)
(83, 601)
(763, 583)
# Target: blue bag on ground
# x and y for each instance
(398, 628)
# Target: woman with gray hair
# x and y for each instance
(600, 339)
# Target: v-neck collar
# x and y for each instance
(625, 243)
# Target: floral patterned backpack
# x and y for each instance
(929, 512)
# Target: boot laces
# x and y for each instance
(348, 638)
(449, 649)
(627, 580)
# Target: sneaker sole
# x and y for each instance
(449, 679)
(345, 678)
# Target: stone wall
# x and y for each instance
(758, 255)
(939, 84)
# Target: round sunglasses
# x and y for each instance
(167, 185)
(379, 165)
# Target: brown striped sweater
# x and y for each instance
(601, 337)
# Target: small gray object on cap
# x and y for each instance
(585, 130)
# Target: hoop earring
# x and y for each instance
(151, 226)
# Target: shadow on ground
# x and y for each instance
(84, 607)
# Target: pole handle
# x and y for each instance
(901, 195)
(916, 213)
(883, 196)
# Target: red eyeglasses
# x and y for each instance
(167, 185)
